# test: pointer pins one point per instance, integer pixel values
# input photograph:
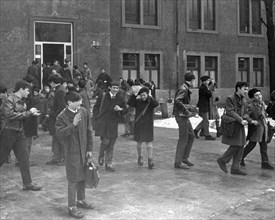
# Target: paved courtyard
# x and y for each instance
(132, 192)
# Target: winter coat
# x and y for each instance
(58, 105)
(204, 97)
(144, 126)
(77, 140)
(236, 108)
(85, 99)
(256, 111)
(106, 118)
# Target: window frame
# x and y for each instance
(142, 25)
(202, 69)
(251, 69)
(202, 30)
(250, 34)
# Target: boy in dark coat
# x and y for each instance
(144, 123)
(74, 130)
(236, 108)
(257, 129)
(108, 111)
(204, 108)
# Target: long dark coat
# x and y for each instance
(256, 111)
(204, 99)
(144, 126)
(236, 108)
(106, 118)
(58, 105)
(77, 140)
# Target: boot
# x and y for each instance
(150, 163)
(140, 160)
(218, 128)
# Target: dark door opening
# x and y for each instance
(53, 52)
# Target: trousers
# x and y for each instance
(57, 148)
(16, 141)
(75, 189)
(263, 150)
(186, 139)
(204, 123)
(107, 145)
(234, 152)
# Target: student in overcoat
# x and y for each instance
(257, 129)
(108, 111)
(144, 123)
(236, 108)
(74, 130)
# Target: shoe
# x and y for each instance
(84, 205)
(52, 162)
(242, 163)
(74, 212)
(238, 172)
(222, 165)
(125, 135)
(202, 134)
(32, 187)
(188, 163)
(196, 134)
(140, 160)
(210, 138)
(150, 163)
(181, 166)
(218, 134)
(100, 161)
(267, 166)
(109, 168)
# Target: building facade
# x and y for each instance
(157, 40)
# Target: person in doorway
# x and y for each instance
(56, 66)
(182, 112)
(13, 112)
(204, 107)
(66, 73)
(257, 129)
(108, 111)
(235, 107)
(103, 81)
(144, 123)
(34, 74)
(74, 130)
(46, 74)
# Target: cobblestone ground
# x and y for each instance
(132, 192)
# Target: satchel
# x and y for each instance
(228, 125)
(92, 174)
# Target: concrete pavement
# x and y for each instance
(132, 192)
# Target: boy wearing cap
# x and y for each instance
(108, 111)
(182, 112)
(257, 129)
(204, 107)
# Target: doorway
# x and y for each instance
(53, 52)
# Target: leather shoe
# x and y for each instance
(188, 163)
(210, 138)
(100, 161)
(196, 134)
(237, 172)
(84, 205)
(32, 187)
(74, 212)
(110, 168)
(267, 166)
(222, 165)
(181, 166)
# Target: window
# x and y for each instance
(152, 68)
(140, 13)
(130, 66)
(243, 69)
(211, 67)
(193, 66)
(257, 79)
(202, 15)
(250, 16)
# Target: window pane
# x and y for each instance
(37, 49)
(244, 16)
(52, 32)
(211, 64)
(152, 61)
(256, 17)
(194, 14)
(150, 11)
(193, 66)
(258, 72)
(132, 11)
(130, 60)
(243, 64)
(209, 14)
